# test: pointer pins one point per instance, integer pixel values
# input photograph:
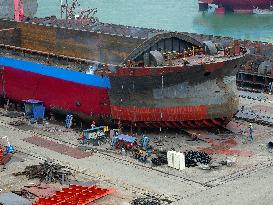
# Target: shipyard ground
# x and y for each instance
(249, 181)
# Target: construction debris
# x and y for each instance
(230, 161)
(25, 194)
(192, 158)
(14, 114)
(148, 200)
(253, 96)
(47, 172)
(17, 123)
(270, 145)
(160, 159)
(5, 159)
(255, 117)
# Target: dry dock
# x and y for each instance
(252, 172)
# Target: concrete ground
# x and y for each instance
(247, 182)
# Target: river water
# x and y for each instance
(174, 15)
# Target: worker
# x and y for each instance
(106, 129)
(185, 61)
(68, 121)
(8, 146)
(270, 87)
(250, 127)
(114, 141)
(145, 141)
(93, 125)
(149, 151)
(123, 152)
(142, 156)
(112, 133)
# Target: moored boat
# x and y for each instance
(262, 12)
(242, 6)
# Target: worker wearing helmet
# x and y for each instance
(93, 125)
(250, 138)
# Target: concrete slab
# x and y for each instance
(57, 147)
(42, 190)
(10, 198)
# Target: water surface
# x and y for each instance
(174, 15)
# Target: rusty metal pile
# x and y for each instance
(257, 71)
(160, 159)
(46, 172)
(148, 200)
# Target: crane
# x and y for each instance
(18, 10)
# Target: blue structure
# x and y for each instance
(56, 72)
(145, 142)
(9, 149)
(34, 109)
(8, 146)
(68, 121)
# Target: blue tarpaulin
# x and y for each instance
(34, 109)
(126, 138)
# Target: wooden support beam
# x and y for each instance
(7, 29)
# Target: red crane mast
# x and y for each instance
(18, 10)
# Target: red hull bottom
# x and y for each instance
(196, 124)
(178, 117)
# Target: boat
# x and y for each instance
(242, 6)
(262, 12)
(134, 76)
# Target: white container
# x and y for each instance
(176, 160)
(170, 158)
(182, 164)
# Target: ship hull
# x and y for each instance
(243, 6)
(191, 99)
(59, 89)
(197, 96)
(194, 110)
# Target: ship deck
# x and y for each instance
(199, 59)
(82, 65)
